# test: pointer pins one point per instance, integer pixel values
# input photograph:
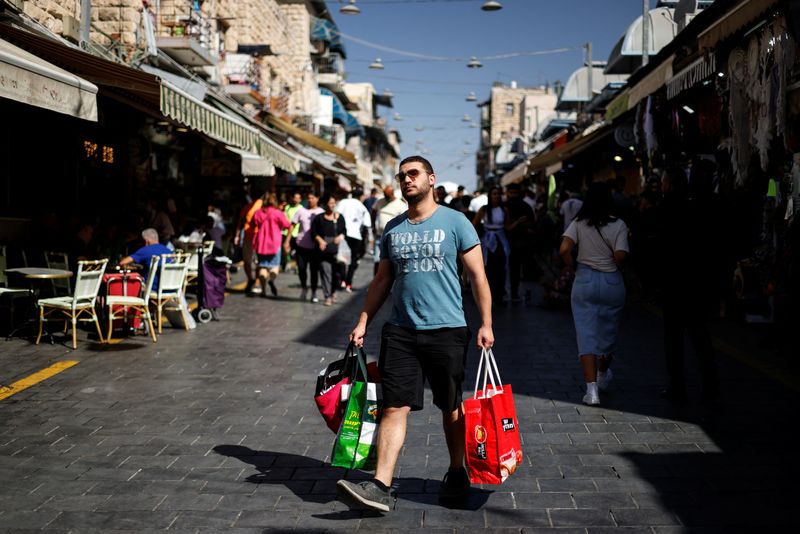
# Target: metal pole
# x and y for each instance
(645, 32)
(86, 22)
(589, 72)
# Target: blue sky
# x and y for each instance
(431, 94)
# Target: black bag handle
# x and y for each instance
(356, 353)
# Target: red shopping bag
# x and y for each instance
(492, 428)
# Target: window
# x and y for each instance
(510, 109)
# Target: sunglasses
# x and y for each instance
(412, 173)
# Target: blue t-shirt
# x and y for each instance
(427, 289)
(143, 255)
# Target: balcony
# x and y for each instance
(330, 72)
(185, 35)
(243, 75)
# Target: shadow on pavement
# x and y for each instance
(278, 467)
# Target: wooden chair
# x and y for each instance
(71, 309)
(140, 304)
(59, 260)
(171, 280)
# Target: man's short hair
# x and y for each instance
(150, 234)
(419, 159)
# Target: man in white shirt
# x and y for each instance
(355, 216)
(570, 208)
(385, 210)
(478, 201)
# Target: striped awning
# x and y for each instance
(188, 110)
(225, 127)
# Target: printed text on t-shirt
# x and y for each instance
(418, 251)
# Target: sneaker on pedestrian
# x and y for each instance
(455, 486)
(604, 379)
(273, 289)
(314, 297)
(592, 397)
(349, 289)
(366, 493)
(303, 294)
(328, 302)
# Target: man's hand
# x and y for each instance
(236, 240)
(485, 337)
(358, 333)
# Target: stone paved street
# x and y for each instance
(215, 430)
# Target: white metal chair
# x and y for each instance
(194, 262)
(9, 296)
(70, 309)
(59, 260)
(171, 280)
(140, 304)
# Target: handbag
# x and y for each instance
(492, 428)
(355, 446)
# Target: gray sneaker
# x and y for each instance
(366, 493)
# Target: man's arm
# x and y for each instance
(126, 260)
(473, 263)
(376, 295)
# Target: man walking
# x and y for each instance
(426, 337)
(355, 217)
(385, 210)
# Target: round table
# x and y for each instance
(34, 275)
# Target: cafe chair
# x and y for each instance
(72, 308)
(194, 263)
(9, 296)
(59, 260)
(140, 304)
(171, 280)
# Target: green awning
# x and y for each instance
(224, 127)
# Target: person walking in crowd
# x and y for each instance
(570, 208)
(307, 256)
(688, 245)
(494, 243)
(385, 210)
(426, 337)
(328, 230)
(519, 232)
(245, 233)
(356, 217)
(374, 196)
(598, 292)
(441, 195)
(478, 201)
(290, 236)
(269, 223)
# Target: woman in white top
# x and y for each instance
(598, 293)
(494, 218)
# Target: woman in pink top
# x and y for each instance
(269, 221)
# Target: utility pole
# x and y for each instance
(645, 32)
(86, 22)
(589, 72)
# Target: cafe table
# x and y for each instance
(34, 276)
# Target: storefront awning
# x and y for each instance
(326, 30)
(253, 164)
(310, 139)
(340, 113)
(569, 150)
(576, 91)
(734, 20)
(626, 56)
(515, 175)
(325, 161)
(31, 80)
(186, 109)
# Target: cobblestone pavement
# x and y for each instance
(215, 430)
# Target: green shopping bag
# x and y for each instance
(356, 442)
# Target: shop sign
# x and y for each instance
(695, 73)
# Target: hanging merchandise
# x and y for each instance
(650, 140)
(758, 73)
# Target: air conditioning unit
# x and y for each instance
(71, 28)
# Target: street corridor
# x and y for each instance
(216, 430)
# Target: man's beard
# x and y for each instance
(421, 194)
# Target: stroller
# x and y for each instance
(211, 282)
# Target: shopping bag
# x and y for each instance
(333, 386)
(327, 395)
(355, 444)
(492, 427)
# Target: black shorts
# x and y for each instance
(409, 357)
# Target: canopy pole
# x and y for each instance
(645, 32)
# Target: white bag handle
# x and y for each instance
(488, 365)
